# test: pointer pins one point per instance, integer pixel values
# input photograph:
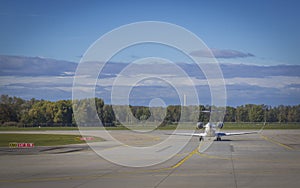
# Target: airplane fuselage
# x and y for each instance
(210, 130)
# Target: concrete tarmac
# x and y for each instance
(270, 159)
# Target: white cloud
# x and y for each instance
(147, 80)
(267, 82)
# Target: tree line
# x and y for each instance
(16, 111)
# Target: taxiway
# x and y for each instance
(270, 159)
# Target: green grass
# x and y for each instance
(38, 129)
(231, 126)
(42, 139)
(261, 125)
(227, 125)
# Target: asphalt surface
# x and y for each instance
(270, 159)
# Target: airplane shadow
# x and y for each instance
(223, 140)
(235, 140)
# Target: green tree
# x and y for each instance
(173, 114)
(108, 118)
(230, 114)
(10, 108)
(271, 115)
(99, 107)
(282, 113)
(242, 114)
(256, 113)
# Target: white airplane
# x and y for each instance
(211, 130)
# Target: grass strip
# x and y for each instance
(43, 139)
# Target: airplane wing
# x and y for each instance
(236, 133)
(188, 134)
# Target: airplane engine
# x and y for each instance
(220, 125)
(200, 125)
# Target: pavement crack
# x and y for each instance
(174, 167)
(163, 179)
(233, 169)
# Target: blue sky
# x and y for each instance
(65, 29)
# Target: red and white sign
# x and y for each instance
(21, 145)
(25, 145)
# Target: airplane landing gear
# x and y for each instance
(201, 138)
(218, 138)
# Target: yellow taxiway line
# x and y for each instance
(276, 142)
